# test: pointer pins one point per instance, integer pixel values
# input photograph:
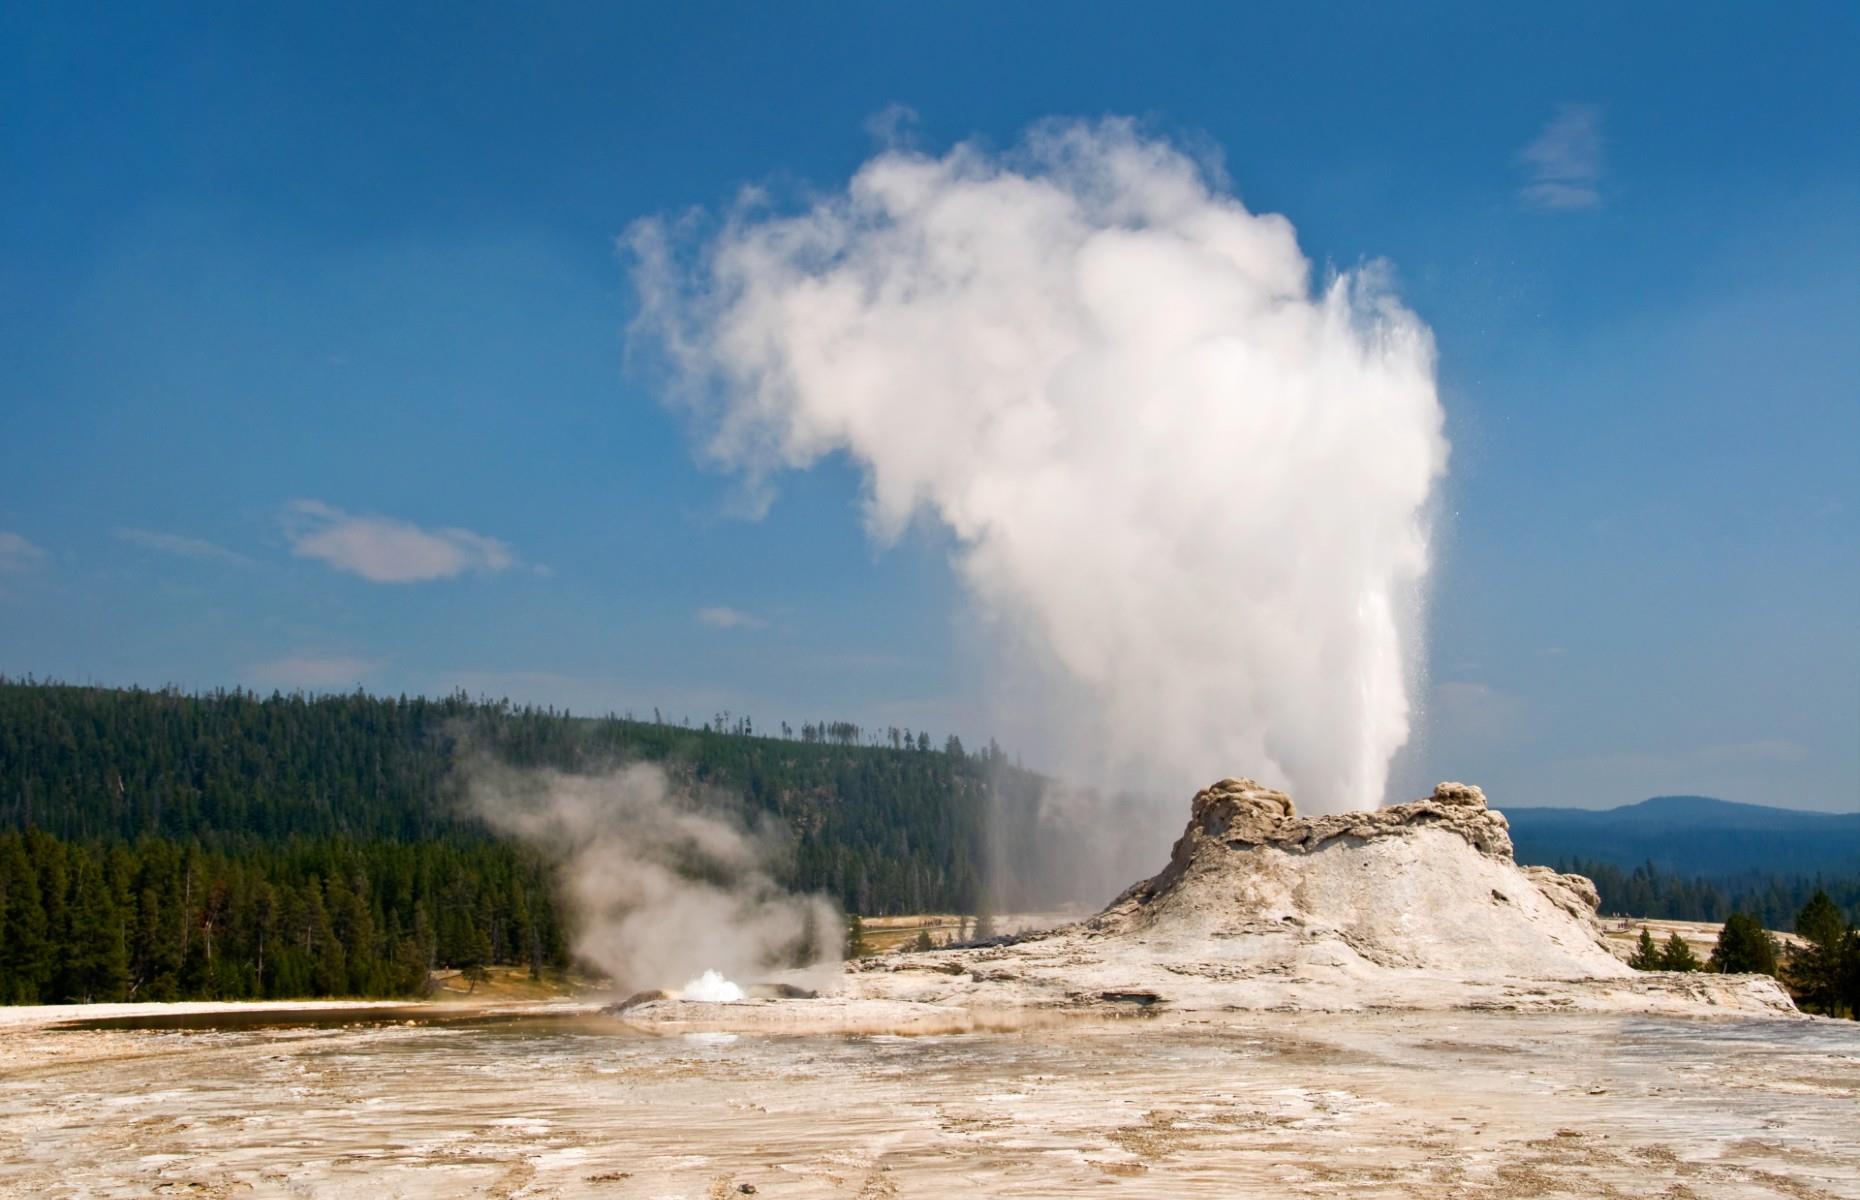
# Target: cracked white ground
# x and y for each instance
(1349, 1104)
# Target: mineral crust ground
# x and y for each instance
(1373, 1004)
(1361, 1104)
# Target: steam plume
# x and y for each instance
(1190, 487)
(662, 889)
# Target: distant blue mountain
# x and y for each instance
(1695, 836)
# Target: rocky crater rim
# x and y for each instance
(1241, 813)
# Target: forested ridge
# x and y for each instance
(1774, 899)
(1693, 837)
(156, 844)
(161, 919)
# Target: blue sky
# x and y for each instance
(296, 305)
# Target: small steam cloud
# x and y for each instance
(664, 889)
(1190, 487)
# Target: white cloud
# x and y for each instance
(721, 616)
(311, 671)
(17, 555)
(179, 544)
(1565, 160)
(388, 550)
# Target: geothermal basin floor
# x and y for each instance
(1359, 1105)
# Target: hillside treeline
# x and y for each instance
(885, 830)
(1822, 973)
(159, 919)
(201, 832)
(1693, 836)
(157, 844)
(90, 763)
(1773, 899)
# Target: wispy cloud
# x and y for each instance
(1771, 750)
(180, 544)
(1565, 161)
(389, 550)
(1697, 766)
(17, 555)
(1474, 711)
(311, 671)
(720, 616)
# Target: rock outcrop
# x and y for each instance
(1240, 815)
(1415, 906)
(1428, 885)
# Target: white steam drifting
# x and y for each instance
(663, 889)
(1192, 487)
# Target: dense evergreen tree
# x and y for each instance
(1744, 947)
(1850, 974)
(1818, 973)
(1674, 955)
(157, 920)
(1677, 955)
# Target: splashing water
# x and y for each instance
(711, 988)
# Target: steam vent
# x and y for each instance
(1415, 906)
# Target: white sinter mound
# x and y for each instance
(1414, 906)
(1418, 906)
(1429, 885)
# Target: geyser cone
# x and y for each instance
(1429, 885)
(1418, 906)
(1415, 906)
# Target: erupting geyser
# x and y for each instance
(1190, 485)
(664, 886)
(711, 988)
